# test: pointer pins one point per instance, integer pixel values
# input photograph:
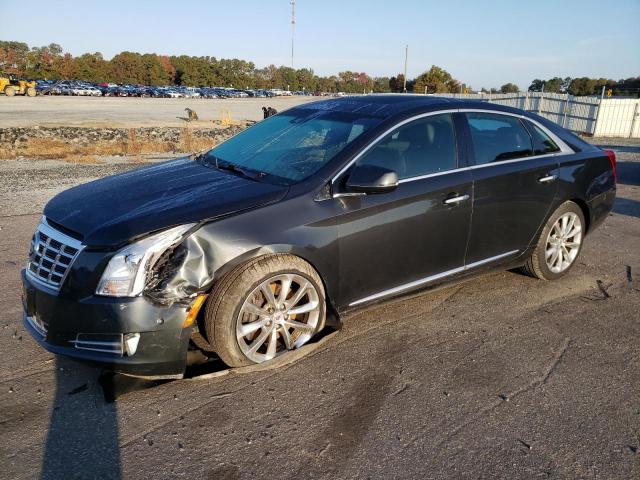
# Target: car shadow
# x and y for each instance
(82, 439)
(628, 173)
(626, 206)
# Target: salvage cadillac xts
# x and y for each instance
(249, 250)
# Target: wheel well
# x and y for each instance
(332, 316)
(585, 211)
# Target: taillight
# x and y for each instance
(612, 158)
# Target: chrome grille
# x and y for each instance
(51, 255)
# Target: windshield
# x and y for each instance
(293, 145)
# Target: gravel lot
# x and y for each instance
(131, 112)
(502, 376)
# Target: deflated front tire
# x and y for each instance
(264, 308)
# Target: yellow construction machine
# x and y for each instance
(10, 85)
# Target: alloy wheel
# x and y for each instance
(563, 242)
(280, 314)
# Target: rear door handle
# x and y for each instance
(547, 179)
(454, 200)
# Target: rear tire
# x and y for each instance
(10, 91)
(264, 308)
(559, 245)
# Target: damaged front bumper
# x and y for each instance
(127, 335)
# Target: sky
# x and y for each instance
(481, 43)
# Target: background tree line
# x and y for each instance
(52, 63)
(587, 86)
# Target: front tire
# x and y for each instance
(559, 244)
(264, 308)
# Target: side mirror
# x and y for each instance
(371, 179)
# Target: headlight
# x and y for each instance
(126, 272)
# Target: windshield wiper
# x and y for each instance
(206, 157)
(241, 172)
(198, 156)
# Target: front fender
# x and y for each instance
(220, 246)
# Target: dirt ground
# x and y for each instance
(132, 112)
(501, 376)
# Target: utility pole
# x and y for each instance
(293, 26)
(406, 56)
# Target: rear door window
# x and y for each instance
(542, 143)
(496, 138)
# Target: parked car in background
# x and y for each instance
(81, 88)
(250, 249)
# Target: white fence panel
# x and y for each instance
(618, 117)
(635, 127)
(591, 115)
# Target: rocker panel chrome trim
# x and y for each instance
(437, 276)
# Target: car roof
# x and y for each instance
(391, 105)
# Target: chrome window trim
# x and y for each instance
(431, 278)
(384, 134)
(429, 175)
(516, 160)
(564, 148)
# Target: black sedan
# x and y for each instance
(249, 250)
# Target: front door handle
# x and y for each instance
(547, 179)
(454, 200)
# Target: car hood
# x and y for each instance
(113, 210)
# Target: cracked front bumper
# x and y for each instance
(57, 323)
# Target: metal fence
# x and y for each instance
(612, 117)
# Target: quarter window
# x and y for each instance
(496, 138)
(422, 147)
(542, 144)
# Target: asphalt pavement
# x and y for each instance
(502, 376)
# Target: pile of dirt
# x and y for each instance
(84, 143)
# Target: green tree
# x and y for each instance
(509, 88)
(13, 57)
(128, 67)
(154, 70)
(396, 84)
(381, 85)
(436, 80)
(553, 85)
(536, 85)
(67, 67)
(628, 87)
(41, 61)
(91, 67)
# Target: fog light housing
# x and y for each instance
(131, 343)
